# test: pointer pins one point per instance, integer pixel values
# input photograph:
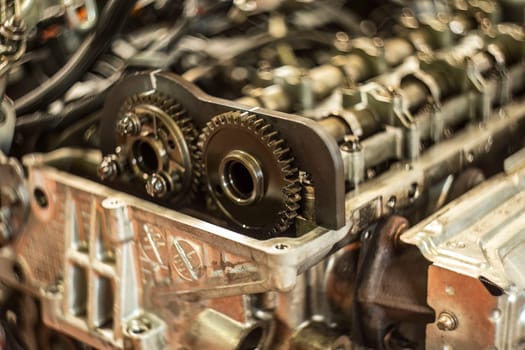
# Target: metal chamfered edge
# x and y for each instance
(290, 256)
(302, 134)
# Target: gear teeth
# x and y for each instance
(269, 135)
(276, 143)
(281, 152)
(291, 193)
(286, 162)
(265, 128)
(251, 119)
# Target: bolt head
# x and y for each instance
(351, 144)
(108, 168)
(157, 186)
(447, 321)
(128, 124)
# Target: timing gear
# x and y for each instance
(156, 143)
(249, 172)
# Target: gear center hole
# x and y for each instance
(146, 157)
(240, 180)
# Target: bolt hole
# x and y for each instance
(146, 157)
(18, 272)
(391, 203)
(413, 193)
(281, 246)
(171, 144)
(40, 197)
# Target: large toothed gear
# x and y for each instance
(156, 144)
(249, 172)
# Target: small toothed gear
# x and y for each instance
(157, 141)
(249, 172)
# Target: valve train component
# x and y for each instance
(270, 175)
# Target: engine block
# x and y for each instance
(281, 175)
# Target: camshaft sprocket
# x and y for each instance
(156, 140)
(249, 172)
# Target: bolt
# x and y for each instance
(157, 186)
(128, 124)
(447, 321)
(108, 168)
(139, 326)
(351, 144)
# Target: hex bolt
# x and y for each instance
(447, 321)
(157, 186)
(129, 124)
(108, 169)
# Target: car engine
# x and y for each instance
(262, 174)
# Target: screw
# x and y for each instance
(108, 168)
(157, 186)
(129, 124)
(447, 321)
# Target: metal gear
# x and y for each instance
(249, 172)
(156, 143)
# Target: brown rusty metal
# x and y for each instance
(391, 290)
(340, 282)
(469, 302)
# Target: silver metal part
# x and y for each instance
(480, 234)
